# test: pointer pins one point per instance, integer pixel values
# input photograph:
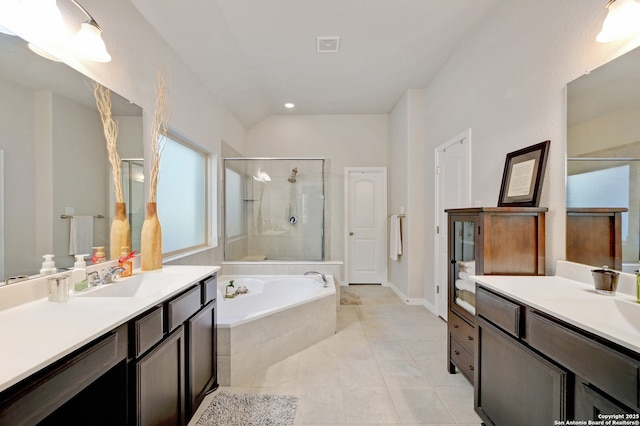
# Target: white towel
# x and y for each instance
(466, 285)
(80, 235)
(395, 237)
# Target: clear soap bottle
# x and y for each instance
(79, 274)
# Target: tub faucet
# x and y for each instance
(109, 277)
(318, 274)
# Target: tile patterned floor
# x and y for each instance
(385, 365)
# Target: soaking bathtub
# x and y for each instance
(278, 316)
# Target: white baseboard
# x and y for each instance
(407, 300)
(430, 307)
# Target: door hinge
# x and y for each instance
(437, 170)
(437, 289)
(437, 229)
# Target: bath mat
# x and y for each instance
(229, 409)
(349, 297)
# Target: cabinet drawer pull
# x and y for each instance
(455, 326)
(471, 368)
(469, 337)
(456, 352)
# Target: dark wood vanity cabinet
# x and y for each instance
(159, 383)
(172, 378)
(201, 348)
(86, 387)
(489, 241)
(533, 369)
(152, 370)
(514, 385)
(594, 236)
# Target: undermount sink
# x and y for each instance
(125, 287)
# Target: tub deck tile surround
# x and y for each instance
(249, 347)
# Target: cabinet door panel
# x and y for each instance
(201, 353)
(515, 386)
(160, 383)
(590, 404)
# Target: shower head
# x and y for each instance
(294, 172)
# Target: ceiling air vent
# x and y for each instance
(327, 44)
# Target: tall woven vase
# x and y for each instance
(120, 231)
(151, 240)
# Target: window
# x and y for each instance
(182, 196)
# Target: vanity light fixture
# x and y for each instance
(88, 41)
(40, 22)
(622, 21)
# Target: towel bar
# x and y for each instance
(67, 216)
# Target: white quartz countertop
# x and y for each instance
(33, 335)
(615, 318)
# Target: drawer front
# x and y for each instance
(209, 287)
(148, 331)
(461, 330)
(462, 358)
(502, 312)
(601, 366)
(183, 307)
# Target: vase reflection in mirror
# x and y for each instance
(120, 231)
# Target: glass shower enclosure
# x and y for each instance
(274, 209)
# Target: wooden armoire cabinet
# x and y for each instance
(486, 241)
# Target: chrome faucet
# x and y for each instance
(320, 275)
(110, 277)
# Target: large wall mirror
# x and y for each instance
(55, 162)
(603, 162)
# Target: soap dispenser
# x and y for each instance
(48, 266)
(79, 273)
(125, 261)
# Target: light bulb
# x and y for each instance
(88, 43)
(622, 21)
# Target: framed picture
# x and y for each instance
(523, 175)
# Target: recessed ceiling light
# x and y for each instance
(289, 105)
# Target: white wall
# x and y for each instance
(621, 127)
(507, 83)
(398, 176)
(17, 116)
(343, 140)
(408, 176)
(80, 178)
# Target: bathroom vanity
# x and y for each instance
(140, 351)
(551, 349)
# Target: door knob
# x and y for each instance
(350, 233)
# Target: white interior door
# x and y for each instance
(452, 191)
(365, 224)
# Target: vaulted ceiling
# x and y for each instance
(255, 55)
